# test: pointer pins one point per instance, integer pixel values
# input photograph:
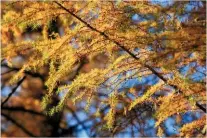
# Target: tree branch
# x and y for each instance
(7, 72)
(13, 91)
(26, 72)
(18, 125)
(22, 109)
(125, 49)
(201, 107)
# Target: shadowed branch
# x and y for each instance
(13, 91)
(18, 124)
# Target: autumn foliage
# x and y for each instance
(122, 63)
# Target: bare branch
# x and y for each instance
(21, 109)
(13, 91)
(18, 125)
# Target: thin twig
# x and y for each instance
(13, 91)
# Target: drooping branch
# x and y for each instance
(13, 91)
(126, 50)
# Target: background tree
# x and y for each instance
(130, 68)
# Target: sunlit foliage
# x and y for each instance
(160, 38)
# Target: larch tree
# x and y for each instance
(125, 62)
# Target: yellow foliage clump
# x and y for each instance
(197, 126)
(110, 117)
(160, 132)
(170, 105)
(147, 95)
